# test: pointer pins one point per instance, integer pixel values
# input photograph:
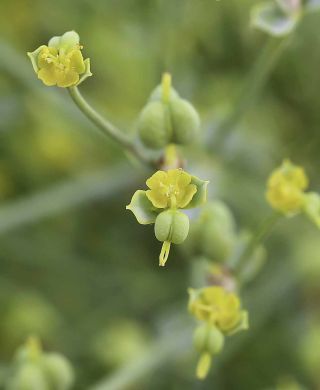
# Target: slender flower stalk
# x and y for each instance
(259, 236)
(255, 81)
(106, 127)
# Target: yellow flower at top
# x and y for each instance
(170, 189)
(286, 187)
(219, 307)
(61, 62)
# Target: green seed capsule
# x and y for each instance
(167, 118)
(28, 377)
(216, 243)
(58, 371)
(214, 234)
(185, 121)
(153, 125)
(200, 337)
(215, 340)
(207, 338)
(157, 94)
(172, 226)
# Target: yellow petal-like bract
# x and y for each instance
(61, 62)
(217, 306)
(286, 186)
(170, 189)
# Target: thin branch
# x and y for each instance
(259, 236)
(254, 82)
(166, 349)
(98, 185)
(107, 128)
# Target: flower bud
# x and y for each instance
(58, 371)
(28, 377)
(172, 226)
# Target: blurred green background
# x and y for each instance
(76, 268)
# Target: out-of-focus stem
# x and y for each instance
(261, 234)
(66, 195)
(106, 127)
(166, 349)
(255, 81)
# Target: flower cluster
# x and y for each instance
(221, 315)
(286, 192)
(35, 369)
(61, 62)
(168, 193)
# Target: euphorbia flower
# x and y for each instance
(61, 62)
(286, 187)
(170, 189)
(218, 307)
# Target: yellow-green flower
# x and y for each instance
(170, 189)
(61, 62)
(168, 192)
(219, 307)
(286, 187)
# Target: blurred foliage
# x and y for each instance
(87, 278)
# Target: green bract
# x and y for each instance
(274, 19)
(311, 207)
(167, 119)
(142, 208)
(168, 192)
(280, 17)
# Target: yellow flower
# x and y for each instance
(170, 189)
(61, 62)
(219, 307)
(286, 187)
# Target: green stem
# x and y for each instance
(251, 89)
(66, 195)
(166, 349)
(260, 235)
(106, 127)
